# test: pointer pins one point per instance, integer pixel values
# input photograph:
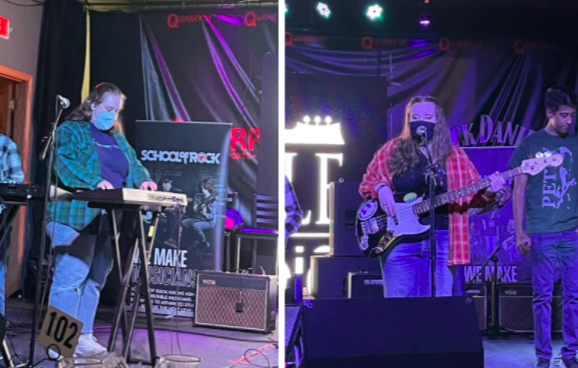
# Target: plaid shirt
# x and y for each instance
(77, 165)
(460, 172)
(10, 162)
(292, 209)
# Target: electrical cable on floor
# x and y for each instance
(247, 359)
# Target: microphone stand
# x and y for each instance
(48, 149)
(432, 169)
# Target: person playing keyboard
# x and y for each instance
(91, 152)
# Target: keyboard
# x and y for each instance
(132, 197)
(21, 192)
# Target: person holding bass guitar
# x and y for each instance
(397, 173)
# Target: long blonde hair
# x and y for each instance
(406, 152)
(96, 96)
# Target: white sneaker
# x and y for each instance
(88, 346)
(54, 355)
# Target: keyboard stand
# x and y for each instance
(6, 219)
(143, 244)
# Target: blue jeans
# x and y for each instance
(551, 251)
(199, 226)
(83, 261)
(3, 254)
(407, 272)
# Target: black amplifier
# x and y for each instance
(479, 294)
(344, 201)
(516, 312)
(364, 285)
(329, 274)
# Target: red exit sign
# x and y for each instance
(4, 27)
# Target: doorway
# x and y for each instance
(15, 122)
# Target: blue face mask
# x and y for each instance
(105, 120)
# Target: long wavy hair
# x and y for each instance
(96, 96)
(406, 152)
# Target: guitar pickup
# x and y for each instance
(373, 226)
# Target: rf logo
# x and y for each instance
(173, 21)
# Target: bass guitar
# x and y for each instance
(377, 233)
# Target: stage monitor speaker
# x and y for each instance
(515, 305)
(236, 301)
(292, 329)
(478, 292)
(364, 285)
(394, 332)
(329, 274)
(344, 201)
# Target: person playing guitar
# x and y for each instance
(397, 173)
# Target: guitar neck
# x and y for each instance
(454, 195)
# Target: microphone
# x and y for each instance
(63, 101)
(422, 132)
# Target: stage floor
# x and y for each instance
(516, 351)
(217, 348)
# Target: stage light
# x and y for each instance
(424, 22)
(374, 12)
(317, 120)
(286, 9)
(328, 120)
(323, 10)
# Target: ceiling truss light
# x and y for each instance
(323, 10)
(374, 12)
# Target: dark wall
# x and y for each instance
(115, 56)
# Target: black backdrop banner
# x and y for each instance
(210, 67)
(189, 158)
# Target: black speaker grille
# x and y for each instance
(516, 312)
(291, 321)
(480, 302)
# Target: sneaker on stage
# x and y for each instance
(88, 346)
(543, 363)
(570, 363)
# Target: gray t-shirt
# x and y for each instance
(552, 195)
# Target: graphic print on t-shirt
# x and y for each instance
(557, 181)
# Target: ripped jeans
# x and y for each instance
(82, 263)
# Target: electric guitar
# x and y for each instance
(377, 233)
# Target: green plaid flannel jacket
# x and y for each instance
(77, 165)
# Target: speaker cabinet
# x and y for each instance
(329, 274)
(395, 332)
(236, 301)
(479, 295)
(515, 304)
(344, 201)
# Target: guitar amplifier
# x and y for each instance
(364, 285)
(479, 294)
(344, 202)
(515, 307)
(236, 301)
(329, 274)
